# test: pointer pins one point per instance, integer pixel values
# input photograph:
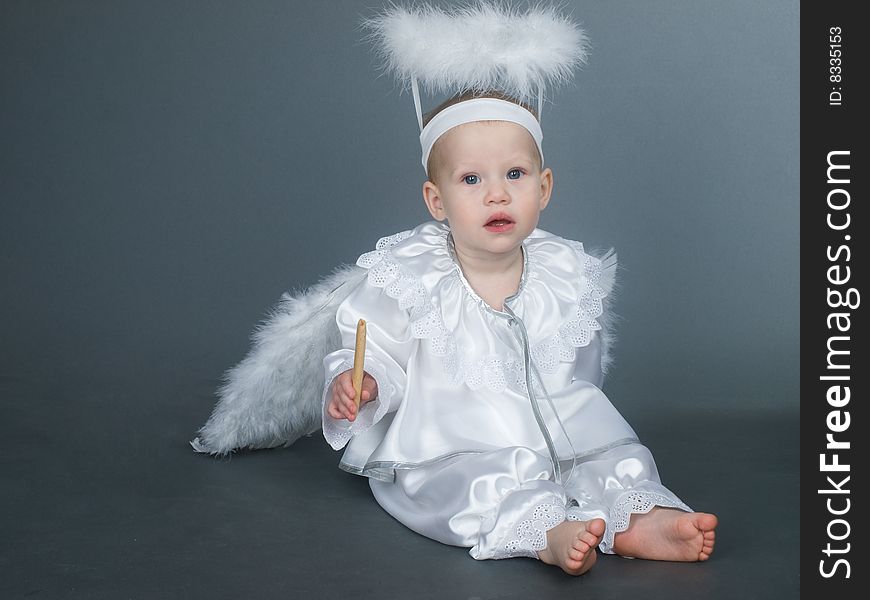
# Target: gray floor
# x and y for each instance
(103, 498)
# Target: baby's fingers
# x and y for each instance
(348, 407)
(350, 392)
(347, 386)
(333, 411)
(341, 410)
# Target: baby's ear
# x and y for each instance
(432, 198)
(546, 187)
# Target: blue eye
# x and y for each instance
(514, 174)
(471, 179)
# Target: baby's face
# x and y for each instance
(488, 170)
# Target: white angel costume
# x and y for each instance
(489, 427)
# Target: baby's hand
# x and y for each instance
(342, 404)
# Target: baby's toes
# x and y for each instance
(596, 527)
(589, 539)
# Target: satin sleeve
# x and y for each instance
(388, 348)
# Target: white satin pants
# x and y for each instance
(501, 503)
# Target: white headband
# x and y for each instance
(478, 109)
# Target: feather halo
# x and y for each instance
(480, 46)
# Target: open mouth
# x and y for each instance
(499, 223)
(499, 220)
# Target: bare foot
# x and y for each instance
(571, 545)
(668, 534)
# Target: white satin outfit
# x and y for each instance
(489, 427)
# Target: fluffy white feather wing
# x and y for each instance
(272, 397)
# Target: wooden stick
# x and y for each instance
(358, 359)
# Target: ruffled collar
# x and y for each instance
(412, 266)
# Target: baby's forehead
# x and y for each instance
(508, 134)
(464, 145)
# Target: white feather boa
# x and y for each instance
(480, 46)
(272, 397)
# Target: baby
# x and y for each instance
(475, 328)
(481, 422)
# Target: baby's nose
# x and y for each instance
(497, 193)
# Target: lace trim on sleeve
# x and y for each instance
(338, 432)
(529, 536)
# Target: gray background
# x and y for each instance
(168, 169)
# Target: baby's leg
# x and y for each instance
(501, 504)
(644, 519)
(668, 534)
